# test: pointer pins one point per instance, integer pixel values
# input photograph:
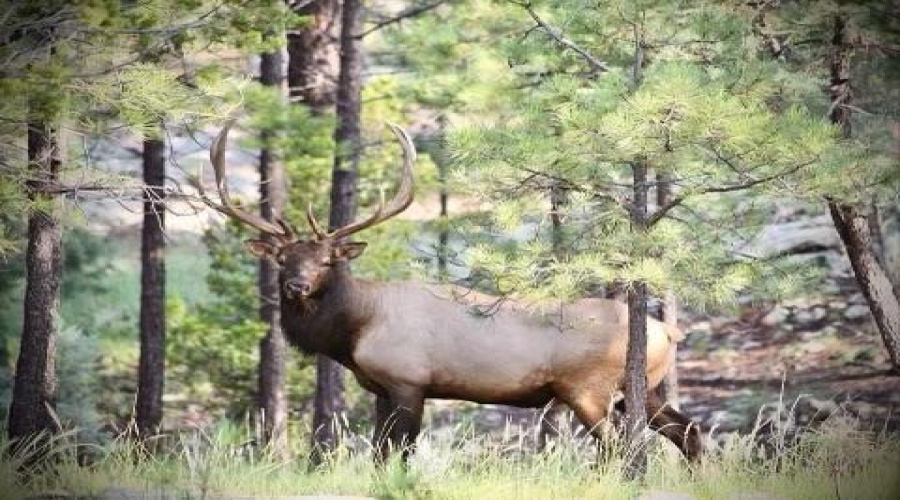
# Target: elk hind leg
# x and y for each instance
(591, 407)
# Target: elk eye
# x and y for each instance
(280, 259)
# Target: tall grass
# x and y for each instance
(837, 460)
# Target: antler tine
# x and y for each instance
(401, 200)
(289, 231)
(227, 207)
(320, 233)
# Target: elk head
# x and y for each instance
(305, 264)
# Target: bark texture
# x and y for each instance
(441, 161)
(271, 395)
(151, 366)
(31, 411)
(668, 389)
(329, 402)
(313, 70)
(636, 356)
(851, 223)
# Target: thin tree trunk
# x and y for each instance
(440, 159)
(271, 397)
(550, 421)
(636, 357)
(313, 70)
(851, 223)
(668, 389)
(31, 411)
(151, 366)
(329, 401)
(638, 295)
(853, 228)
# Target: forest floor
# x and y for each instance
(816, 357)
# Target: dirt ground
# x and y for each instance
(817, 360)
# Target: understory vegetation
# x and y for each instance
(837, 459)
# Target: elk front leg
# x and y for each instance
(675, 426)
(380, 440)
(405, 419)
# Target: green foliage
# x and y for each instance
(711, 111)
(213, 347)
(79, 388)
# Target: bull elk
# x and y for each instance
(409, 341)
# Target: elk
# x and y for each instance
(409, 341)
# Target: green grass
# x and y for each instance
(834, 461)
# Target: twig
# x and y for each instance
(405, 14)
(556, 35)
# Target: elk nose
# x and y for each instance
(297, 287)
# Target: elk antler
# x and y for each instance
(399, 203)
(280, 228)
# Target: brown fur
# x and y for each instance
(409, 341)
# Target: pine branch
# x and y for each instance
(678, 200)
(556, 35)
(405, 14)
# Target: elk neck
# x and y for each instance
(329, 323)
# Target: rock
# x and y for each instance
(857, 298)
(701, 327)
(663, 495)
(856, 312)
(717, 323)
(819, 313)
(777, 315)
(808, 233)
(803, 317)
(830, 288)
(829, 331)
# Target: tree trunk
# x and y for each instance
(271, 397)
(348, 141)
(636, 357)
(668, 389)
(313, 54)
(151, 366)
(851, 224)
(853, 228)
(31, 411)
(550, 421)
(441, 160)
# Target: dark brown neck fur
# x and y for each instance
(330, 322)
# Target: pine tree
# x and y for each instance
(848, 47)
(272, 400)
(329, 401)
(88, 69)
(151, 365)
(600, 100)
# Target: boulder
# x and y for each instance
(856, 312)
(776, 316)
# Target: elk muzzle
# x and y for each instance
(294, 288)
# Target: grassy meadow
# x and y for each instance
(834, 461)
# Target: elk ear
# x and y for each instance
(348, 251)
(261, 248)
